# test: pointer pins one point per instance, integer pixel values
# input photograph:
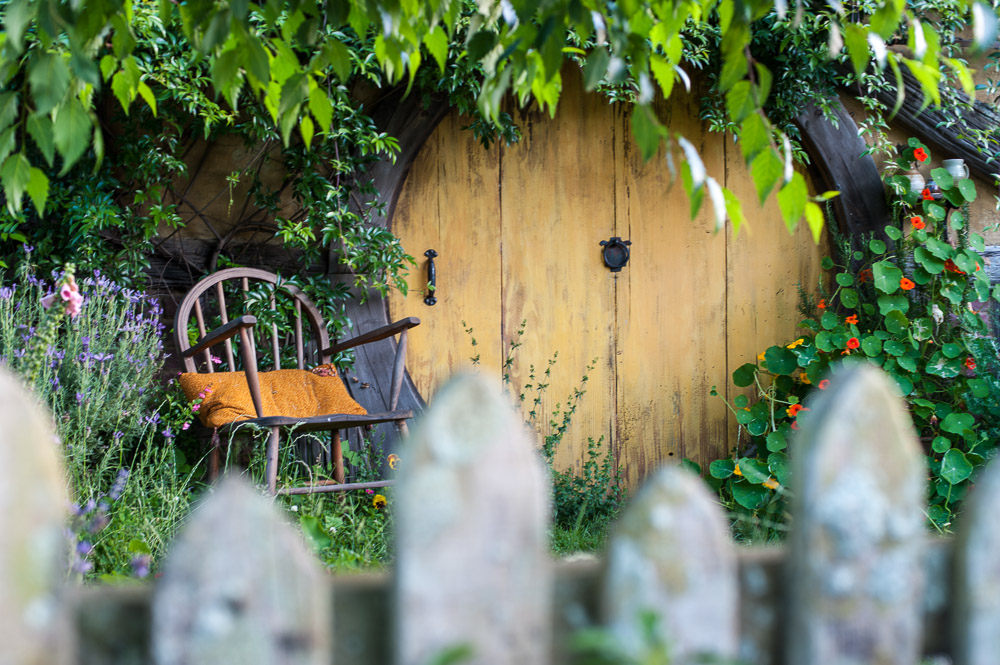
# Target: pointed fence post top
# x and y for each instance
(856, 547)
(670, 558)
(33, 506)
(471, 533)
(240, 586)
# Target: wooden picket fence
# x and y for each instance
(859, 582)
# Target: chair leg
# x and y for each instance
(338, 457)
(271, 461)
(214, 456)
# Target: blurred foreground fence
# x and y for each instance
(859, 582)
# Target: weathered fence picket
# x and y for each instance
(860, 581)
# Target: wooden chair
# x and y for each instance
(207, 301)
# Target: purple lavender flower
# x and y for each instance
(6, 293)
(140, 565)
(83, 548)
(79, 399)
(119, 486)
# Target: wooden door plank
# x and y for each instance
(557, 204)
(765, 266)
(672, 317)
(450, 203)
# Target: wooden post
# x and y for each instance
(975, 615)
(472, 566)
(855, 575)
(239, 586)
(670, 559)
(32, 518)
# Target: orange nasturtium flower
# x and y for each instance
(853, 343)
(906, 284)
(950, 266)
(865, 275)
(822, 303)
(793, 410)
(920, 155)
(824, 384)
(393, 460)
(771, 483)
(926, 195)
(379, 501)
(852, 319)
(970, 363)
(917, 222)
(804, 379)
(797, 342)
(736, 470)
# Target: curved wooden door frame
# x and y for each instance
(836, 151)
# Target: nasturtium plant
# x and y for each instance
(911, 303)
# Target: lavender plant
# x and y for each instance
(95, 371)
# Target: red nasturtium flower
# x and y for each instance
(917, 222)
(793, 410)
(852, 319)
(920, 155)
(822, 303)
(950, 266)
(853, 343)
(970, 363)
(926, 195)
(865, 275)
(906, 284)
(824, 384)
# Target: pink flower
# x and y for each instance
(196, 407)
(74, 304)
(185, 425)
(216, 360)
(48, 300)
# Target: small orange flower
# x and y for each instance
(771, 483)
(917, 222)
(824, 384)
(920, 155)
(865, 275)
(793, 410)
(970, 363)
(853, 343)
(736, 470)
(822, 303)
(978, 268)
(906, 284)
(379, 501)
(852, 319)
(393, 460)
(926, 195)
(950, 266)
(804, 379)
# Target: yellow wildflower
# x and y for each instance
(771, 483)
(797, 342)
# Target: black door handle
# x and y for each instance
(431, 298)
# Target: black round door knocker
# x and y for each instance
(615, 253)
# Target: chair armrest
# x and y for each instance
(374, 335)
(221, 334)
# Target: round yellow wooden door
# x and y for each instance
(517, 232)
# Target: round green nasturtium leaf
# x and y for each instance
(942, 178)
(893, 232)
(849, 298)
(965, 263)
(958, 423)
(968, 189)
(806, 355)
(894, 347)
(979, 388)
(743, 417)
(921, 276)
(780, 360)
(824, 341)
(954, 467)
(934, 211)
(754, 470)
(845, 278)
(940, 249)
(908, 363)
(689, 464)
(977, 242)
(951, 350)
(928, 261)
(954, 197)
(869, 308)
(896, 322)
(741, 401)
(809, 324)
(749, 496)
(757, 427)
(777, 464)
(938, 365)
(939, 515)
(858, 255)
(721, 468)
(922, 329)
(940, 444)
(744, 375)
(887, 276)
(829, 321)
(826, 263)
(784, 384)
(898, 303)
(876, 246)
(957, 221)
(904, 383)
(776, 441)
(872, 346)
(953, 290)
